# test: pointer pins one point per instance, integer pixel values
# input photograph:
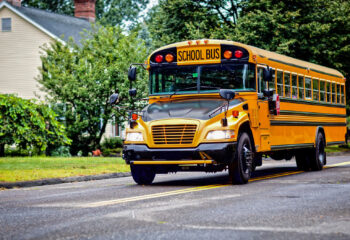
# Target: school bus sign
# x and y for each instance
(196, 54)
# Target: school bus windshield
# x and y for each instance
(202, 78)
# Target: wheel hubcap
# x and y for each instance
(247, 158)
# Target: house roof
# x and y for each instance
(58, 26)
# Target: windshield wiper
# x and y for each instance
(182, 89)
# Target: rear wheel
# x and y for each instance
(241, 167)
(142, 175)
(318, 157)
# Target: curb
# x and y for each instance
(50, 181)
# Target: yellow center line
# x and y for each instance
(194, 189)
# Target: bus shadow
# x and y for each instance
(221, 177)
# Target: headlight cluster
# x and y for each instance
(220, 134)
(134, 137)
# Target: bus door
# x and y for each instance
(263, 112)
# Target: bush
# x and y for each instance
(112, 143)
(106, 152)
(62, 151)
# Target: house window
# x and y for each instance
(6, 24)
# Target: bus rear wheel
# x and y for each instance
(318, 158)
(241, 167)
(142, 175)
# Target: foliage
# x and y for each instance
(113, 142)
(108, 12)
(57, 6)
(34, 168)
(28, 124)
(83, 78)
(62, 151)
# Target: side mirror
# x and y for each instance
(132, 92)
(132, 74)
(267, 74)
(227, 94)
(113, 99)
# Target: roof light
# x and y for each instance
(159, 58)
(189, 42)
(169, 57)
(206, 41)
(227, 54)
(238, 54)
(198, 42)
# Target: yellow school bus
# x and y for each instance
(218, 105)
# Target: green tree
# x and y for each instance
(179, 20)
(57, 6)
(108, 12)
(315, 31)
(27, 123)
(84, 77)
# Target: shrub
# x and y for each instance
(111, 143)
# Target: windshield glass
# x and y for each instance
(204, 78)
(193, 108)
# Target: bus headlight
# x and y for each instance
(134, 137)
(220, 134)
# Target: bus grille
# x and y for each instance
(174, 134)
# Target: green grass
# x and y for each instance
(13, 169)
(338, 148)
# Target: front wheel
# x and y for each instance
(142, 175)
(241, 167)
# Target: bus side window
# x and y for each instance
(308, 88)
(287, 84)
(328, 91)
(261, 78)
(322, 91)
(315, 89)
(338, 94)
(280, 83)
(301, 86)
(294, 86)
(342, 94)
(333, 93)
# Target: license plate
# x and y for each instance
(199, 54)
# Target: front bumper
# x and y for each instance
(221, 153)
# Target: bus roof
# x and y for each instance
(272, 56)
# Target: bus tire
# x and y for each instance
(142, 175)
(318, 156)
(302, 158)
(240, 168)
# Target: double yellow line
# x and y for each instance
(194, 189)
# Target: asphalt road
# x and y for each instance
(279, 203)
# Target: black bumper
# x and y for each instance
(220, 152)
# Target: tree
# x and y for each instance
(178, 20)
(108, 12)
(315, 31)
(27, 123)
(57, 6)
(84, 77)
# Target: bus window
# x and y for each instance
(280, 83)
(308, 88)
(294, 86)
(322, 91)
(287, 84)
(261, 79)
(301, 86)
(333, 93)
(272, 84)
(342, 95)
(338, 93)
(315, 89)
(328, 92)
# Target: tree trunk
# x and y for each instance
(2, 150)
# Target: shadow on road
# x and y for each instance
(219, 178)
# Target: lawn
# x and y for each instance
(14, 169)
